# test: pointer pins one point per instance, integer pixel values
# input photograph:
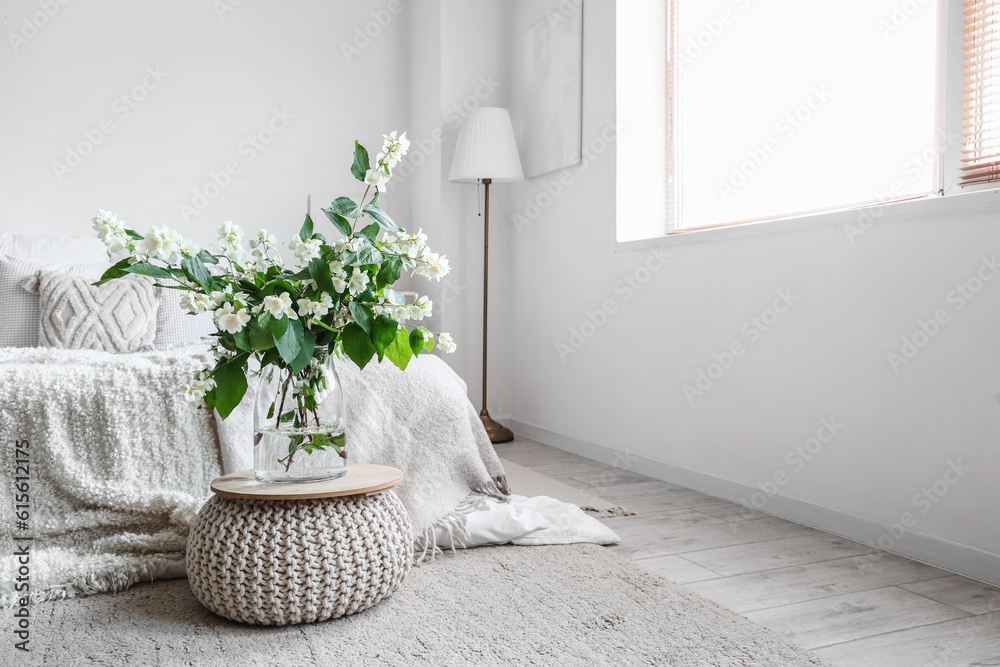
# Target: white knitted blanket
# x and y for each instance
(119, 464)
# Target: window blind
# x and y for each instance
(981, 100)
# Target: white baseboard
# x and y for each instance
(952, 556)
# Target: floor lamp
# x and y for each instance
(486, 153)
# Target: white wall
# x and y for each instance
(825, 358)
(225, 73)
(458, 62)
(344, 71)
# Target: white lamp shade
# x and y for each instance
(486, 149)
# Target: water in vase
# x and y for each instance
(299, 425)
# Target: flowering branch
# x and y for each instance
(338, 299)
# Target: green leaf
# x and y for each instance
(260, 335)
(383, 333)
(305, 351)
(367, 255)
(116, 271)
(429, 343)
(320, 272)
(290, 344)
(196, 271)
(134, 234)
(307, 229)
(207, 257)
(346, 207)
(362, 314)
(278, 327)
(371, 231)
(380, 216)
(416, 341)
(145, 269)
(389, 272)
(270, 357)
(230, 387)
(339, 221)
(277, 287)
(242, 339)
(357, 344)
(399, 351)
(360, 166)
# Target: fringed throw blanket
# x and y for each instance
(118, 463)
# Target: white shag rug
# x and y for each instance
(560, 605)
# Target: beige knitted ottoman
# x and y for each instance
(276, 554)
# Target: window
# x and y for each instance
(981, 98)
(779, 108)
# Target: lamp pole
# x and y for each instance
(496, 431)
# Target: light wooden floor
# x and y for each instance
(850, 603)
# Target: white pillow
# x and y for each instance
(21, 314)
(530, 521)
(54, 249)
(568, 524)
(174, 324)
(118, 316)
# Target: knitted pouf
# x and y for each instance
(277, 562)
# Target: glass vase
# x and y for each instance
(299, 424)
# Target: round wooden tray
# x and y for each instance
(361, 479)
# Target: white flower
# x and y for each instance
(387, 160)
(199, 303)
(446, 343)
(231, 320)
(230, 234)
(190, 303)
(339, 282)
(263, 240)
(309, 283)
(336, 266)
(106, 222)
(163, 243)
(340, 247)
(189, 247)
(304, 250)
(421, 308)
(358, 282)
(280, 306)
(309, 308)
(376, 177)
(435, 266)
(395, 148)
(398, 313)
(196, 389)
(233, 253)
(116, 243)
(111, 231)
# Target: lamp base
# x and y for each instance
(496, 431)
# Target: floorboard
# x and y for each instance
(853, 605)
(965, 642)
(756, 556)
